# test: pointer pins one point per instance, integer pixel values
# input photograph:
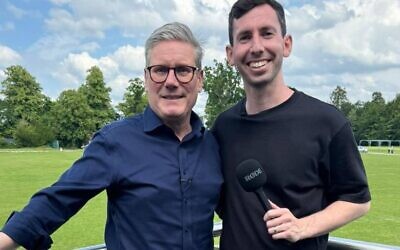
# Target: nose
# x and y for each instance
(171, 80)
(256, 45)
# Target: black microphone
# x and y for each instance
(252, 177)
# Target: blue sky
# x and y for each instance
(351, 43)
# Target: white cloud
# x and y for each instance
(60, 2)
(349, 41)
(55, 47)
(74, 68)
(125, 63)
(130, 59)
(118, 85)
(15, 11)
(8, 56)
(63, 22)
(201, 103)
(213, 49)
(352, 43)
(2, 76)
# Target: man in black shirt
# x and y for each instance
(316, 179)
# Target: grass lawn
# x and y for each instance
(23, 173)
(382, 223)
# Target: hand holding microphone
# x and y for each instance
(252, 178)
(282, 224)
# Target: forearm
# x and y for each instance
(332, 217)
(6, 243)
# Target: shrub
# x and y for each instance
(32, 134)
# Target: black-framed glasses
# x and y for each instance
(159, 73)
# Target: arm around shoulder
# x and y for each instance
(6, 243)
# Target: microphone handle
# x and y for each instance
(263, 199)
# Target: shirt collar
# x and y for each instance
(152, 121)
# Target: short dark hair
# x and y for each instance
(241, 7)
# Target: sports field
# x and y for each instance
(24, 172)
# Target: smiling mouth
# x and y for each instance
(257, 64)
(172, 97)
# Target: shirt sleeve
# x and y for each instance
(348, 180)
(49, 208)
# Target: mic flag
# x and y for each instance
(252, 178)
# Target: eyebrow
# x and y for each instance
(263, 28)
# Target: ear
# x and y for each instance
(146, 80)
(229, 56)
(200, 81)
(288, 44)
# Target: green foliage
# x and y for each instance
(223, 86)
(393, 119)
(73, 119)
(3, 117)
(23, 99)
(339, 99)
(374, 119)
(98, 97)
(135, 99)
(7, 144)
(32, 134)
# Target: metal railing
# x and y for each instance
(334, 243)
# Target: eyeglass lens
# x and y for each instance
(183, 74)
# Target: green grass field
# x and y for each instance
(23, 173)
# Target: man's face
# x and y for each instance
(258, 46)
(173, 101)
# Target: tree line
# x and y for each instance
(28, 118)
(372, 120)
(32, 119)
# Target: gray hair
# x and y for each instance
(174, 32)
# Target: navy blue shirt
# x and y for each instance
(162, 192)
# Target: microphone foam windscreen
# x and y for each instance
(251, 175)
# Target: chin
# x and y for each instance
(173, 114)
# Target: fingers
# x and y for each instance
(273, 204)
(280, 223)
(275, 213)
(278, 229)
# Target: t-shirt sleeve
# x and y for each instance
(347, 176)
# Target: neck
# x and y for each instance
(265, 97)
(180, 128)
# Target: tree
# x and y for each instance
(32, 134)
(3, 118)
(73, 119)
(23, 99)
(393, 119)
(223, 86)
(377, 98)
(339, 99)
(98, 97)
(371, 121)
(135, 99)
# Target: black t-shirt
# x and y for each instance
(309, 154)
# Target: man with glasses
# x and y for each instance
(161, 169)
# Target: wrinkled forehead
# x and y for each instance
(172, 53)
